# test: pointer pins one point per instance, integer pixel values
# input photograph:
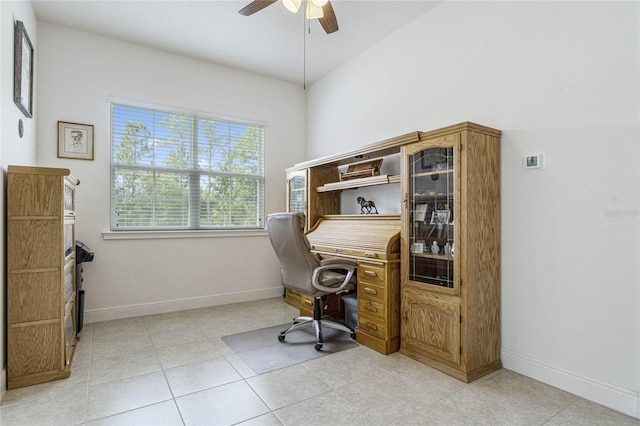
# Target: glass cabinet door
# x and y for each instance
(69, 200)
(296, 192)
(432, 216)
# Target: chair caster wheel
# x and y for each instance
(318, 347)
(281, 337)
(353, 336)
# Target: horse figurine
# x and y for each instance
(367, 206)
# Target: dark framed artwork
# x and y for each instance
(23, 70)
(75, 140)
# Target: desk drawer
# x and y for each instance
(331, 307)
(293, 298)
(370, 308)
(306, 304)
(372, 326)
(371, 273)
(348, 252)
(371, 291)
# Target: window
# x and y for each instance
(172, 170)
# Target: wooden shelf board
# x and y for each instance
(433, 256)
(358, 183)
(374, 150)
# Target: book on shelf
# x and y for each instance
(420, 213)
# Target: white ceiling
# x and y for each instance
(271, 42)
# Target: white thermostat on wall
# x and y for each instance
(533, 162)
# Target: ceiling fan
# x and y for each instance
(320, 9)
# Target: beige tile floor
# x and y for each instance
(173, 369)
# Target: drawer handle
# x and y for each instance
(370, 290)
(371, 326)
(370, 274)
(371, 308)
(370, 254)
(308, 302)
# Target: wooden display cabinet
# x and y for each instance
(451, 250)
(41, 274)
(447, 311)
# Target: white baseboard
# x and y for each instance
(611, 396)
(128, 311)
(3, 382)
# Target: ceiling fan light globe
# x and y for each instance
(313, 11)
(319, 3)
(292, 5)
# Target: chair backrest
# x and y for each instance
(286, 233)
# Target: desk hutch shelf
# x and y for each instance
(320, 178)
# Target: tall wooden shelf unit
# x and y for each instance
(451, 297)
(41, 281)
(441, 308)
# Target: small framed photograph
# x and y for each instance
(440, 216)
(417, 247)
(75, 140)
(23, 70)
(421, 213)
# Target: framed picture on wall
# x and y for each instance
(23, 70)
(75, 140)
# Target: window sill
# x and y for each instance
(155, 235)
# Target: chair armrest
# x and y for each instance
(317, 273)
(338, 261)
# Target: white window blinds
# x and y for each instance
(172, 170)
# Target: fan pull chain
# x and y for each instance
(304, 52)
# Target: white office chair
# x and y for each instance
(305, 272)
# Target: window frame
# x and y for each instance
(189, 231)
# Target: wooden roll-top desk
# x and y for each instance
(373, 241)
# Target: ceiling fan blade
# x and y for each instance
(329, 21)
(255, 6)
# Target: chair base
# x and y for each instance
(317, 321)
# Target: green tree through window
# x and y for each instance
(172, 170)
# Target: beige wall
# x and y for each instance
(13, 149)
(560, 78)
(80, 72)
